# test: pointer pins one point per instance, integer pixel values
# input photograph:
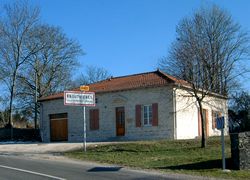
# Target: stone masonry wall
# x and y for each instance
(107, 103)
(240, 150)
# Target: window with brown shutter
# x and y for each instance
(155, 114)
(147, 114)
(94, 119)
(138, 115)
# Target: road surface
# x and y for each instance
(22, 167)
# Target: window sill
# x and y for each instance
(148, 125)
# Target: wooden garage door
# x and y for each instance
(58, 127)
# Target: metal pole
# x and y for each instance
(35, 101)
(11, 129)
(223, 149)
(84, 129)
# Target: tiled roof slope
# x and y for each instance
(143, 80)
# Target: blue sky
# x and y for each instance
(128, 36)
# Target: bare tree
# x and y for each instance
(240, 101)
(240, 111)
(36, 58)
(16, 23)
(93, 74)
(207, 53)
(4, 117)
(49, 70)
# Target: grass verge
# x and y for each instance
(182, 156)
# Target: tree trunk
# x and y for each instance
(11, 99)
(12, 92)
(203, 129)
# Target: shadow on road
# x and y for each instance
(104, 169)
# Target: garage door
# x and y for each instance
(59, 127)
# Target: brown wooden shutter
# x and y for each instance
(91, 119)
(138, 115)
(96, 113)
(213, 120)
(199, 123)
(94, 119)
(207, 122)
(155, 114)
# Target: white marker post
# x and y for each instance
(83, 98)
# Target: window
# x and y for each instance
(215, 114)
(147, 114)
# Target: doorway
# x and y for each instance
(120, 121)
(59, 127)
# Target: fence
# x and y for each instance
(240, 150)
(19, 134)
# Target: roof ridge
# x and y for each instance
(173, 78)
(129, 75)
(169, 77)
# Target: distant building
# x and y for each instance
(146, 106)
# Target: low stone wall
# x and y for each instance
(240, 150)
(20, 134)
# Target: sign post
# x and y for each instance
(220, 121)
(76, 98)
(84, 130)
(84, 88)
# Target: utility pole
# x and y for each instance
(35, 121)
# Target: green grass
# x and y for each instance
(183, 156)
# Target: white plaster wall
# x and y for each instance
(187, 114)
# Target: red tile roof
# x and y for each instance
(143, 80)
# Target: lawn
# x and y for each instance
(182, 156)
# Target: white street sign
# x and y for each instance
(76, 98)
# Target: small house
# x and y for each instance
(146, 106)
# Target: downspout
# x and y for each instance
(174, 111)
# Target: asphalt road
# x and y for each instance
(23, 167)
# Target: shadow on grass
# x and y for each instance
(205, 165)
(116, 150)
(140, 150)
